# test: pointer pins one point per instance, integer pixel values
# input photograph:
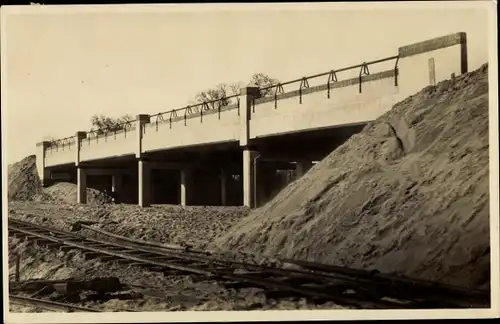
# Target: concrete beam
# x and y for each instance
(173, 165)
(107, 172)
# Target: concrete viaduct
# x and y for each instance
(228, 152)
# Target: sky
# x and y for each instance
(59, 69)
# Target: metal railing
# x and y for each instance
(62, 143)
(200, 109)
(277, 89)
(123, 127)
(226, 103)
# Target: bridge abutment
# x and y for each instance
(43, 171)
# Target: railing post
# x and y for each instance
(246, 96)
(79, 136)
(141, 121)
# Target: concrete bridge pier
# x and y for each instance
(223, 187)
(144, 183)
(186, 186)
(249, 172)
(302, 167)
(81, 185)
(117, 186)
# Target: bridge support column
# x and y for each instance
(302, 167)
(144, 183)
(117, 185)
(223, 187)
(186, 186)
(249, 166)
(43, 173)
(247, 94)
(144, 171)
(81, 186)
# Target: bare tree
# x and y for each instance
(261, 80)
(218, 95)
(234, 88)
(215, 96)
(102, 124)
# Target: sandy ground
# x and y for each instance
(195, 226)
(409, 194)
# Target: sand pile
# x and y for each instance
(409, 194)
(25, 185)
(65, 192)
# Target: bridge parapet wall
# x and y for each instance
(196, 125)
(109, 144)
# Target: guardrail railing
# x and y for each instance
(62, 143)
(104, 133)
(277, 90)
(233, 102)
(198, 110)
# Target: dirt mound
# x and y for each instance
(409, 194)
(196, 226)
(24, 183)
(66, 192)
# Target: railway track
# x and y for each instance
(47, 304)
(344, 286)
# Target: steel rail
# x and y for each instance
(226, 274)
(329, 277)
(326, 270)
(219, 273)
(388, 278)
(140, 242)
(350, 279)
(35, 302)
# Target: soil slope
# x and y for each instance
(25, 185)
(409, 194)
